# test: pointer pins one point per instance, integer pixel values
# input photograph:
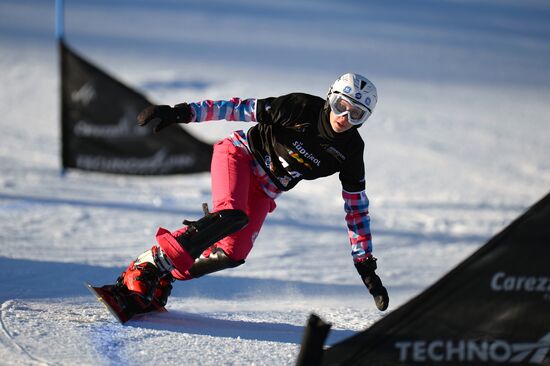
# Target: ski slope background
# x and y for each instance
(457, 148)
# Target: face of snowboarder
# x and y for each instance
(339, 124)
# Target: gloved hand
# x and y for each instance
(372, 281)
(164, 115)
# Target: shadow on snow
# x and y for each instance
(183, 322)
(30, 279)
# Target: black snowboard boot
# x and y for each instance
(366, 270)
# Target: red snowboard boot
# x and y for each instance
(146, 287)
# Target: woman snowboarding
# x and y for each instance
(297, 137)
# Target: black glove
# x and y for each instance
(373, 282)
(164, 115)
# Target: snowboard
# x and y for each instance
(112, 302)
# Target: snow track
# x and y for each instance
(52, 331)
(108, 341)
(456, 149)
(19, 355)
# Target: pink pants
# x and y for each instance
(234, 186)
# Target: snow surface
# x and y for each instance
(457, 148)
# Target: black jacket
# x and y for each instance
(293, 140)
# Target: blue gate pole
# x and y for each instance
(59, 19)
(60, 35)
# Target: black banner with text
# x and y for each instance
(99, 130)
(492, 309)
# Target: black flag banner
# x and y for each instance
(99, 130)
(492, 309)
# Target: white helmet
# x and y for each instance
(356, 89)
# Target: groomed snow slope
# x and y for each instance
(457, 148)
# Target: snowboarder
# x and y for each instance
(297, 136)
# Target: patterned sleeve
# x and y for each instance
(356, 206)
(235, 109)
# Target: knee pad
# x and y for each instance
(216, 261)
(200, 235)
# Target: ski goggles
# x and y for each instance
(342, 105)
